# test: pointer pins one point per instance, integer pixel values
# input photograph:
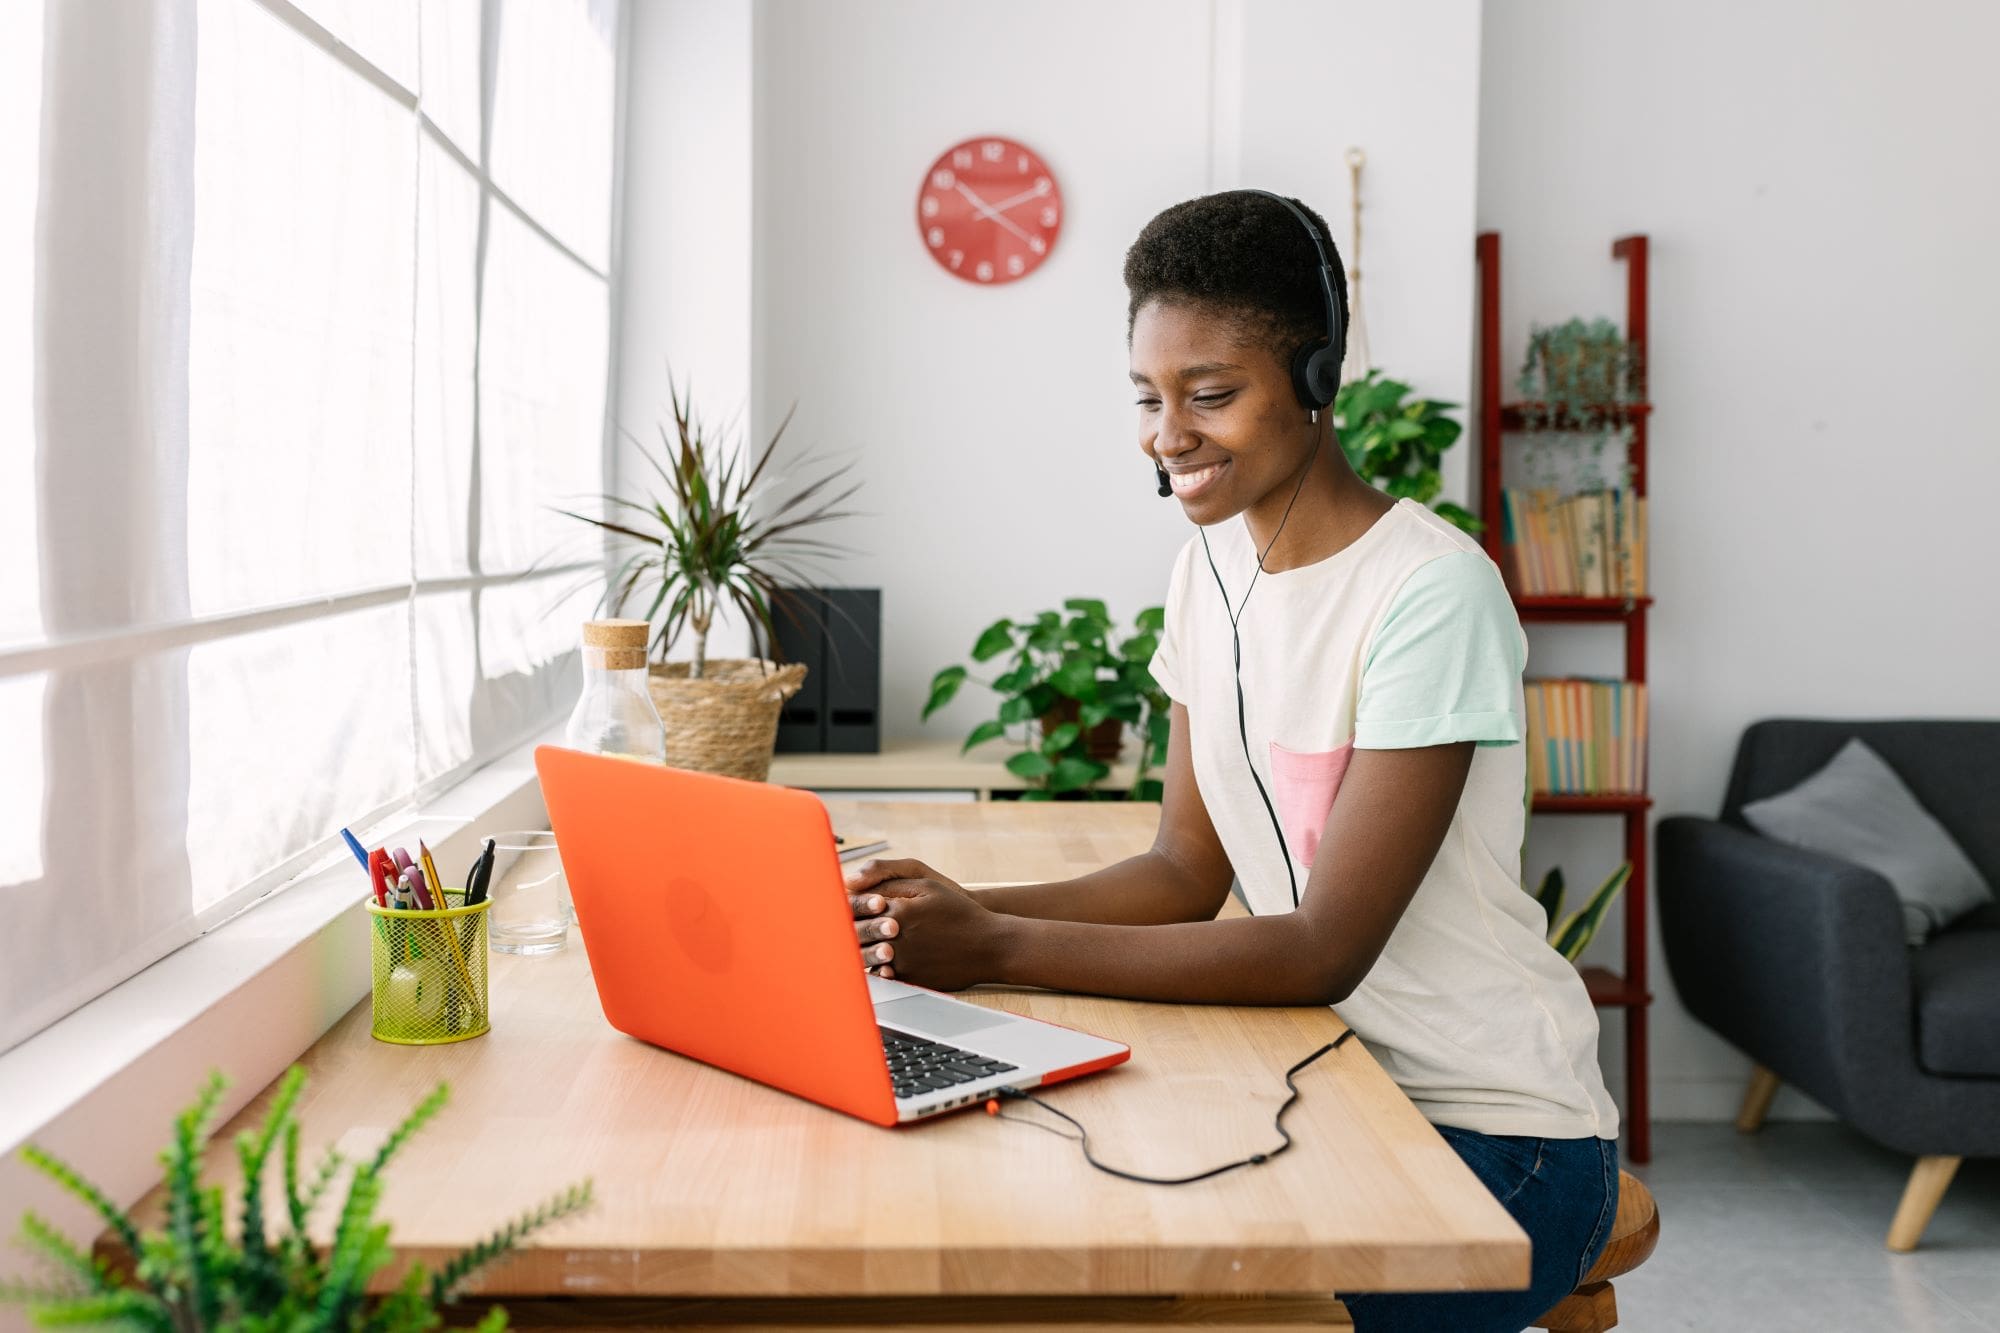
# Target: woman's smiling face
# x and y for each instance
(1216, 411)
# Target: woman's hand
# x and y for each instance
(943, 938)
(871, 927)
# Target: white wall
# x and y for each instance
(685, 289)
(994, 426)
(1819, 184)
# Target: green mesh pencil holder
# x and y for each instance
(429, 972)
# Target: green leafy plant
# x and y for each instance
(193, 1275)
(1065, 676)
(1394, 441)
(1568, 935)
(707, 541)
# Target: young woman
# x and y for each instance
(1380, 712)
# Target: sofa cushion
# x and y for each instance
(1857, 809)
(1958, 1003)
(1952, 767)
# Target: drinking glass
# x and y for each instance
(531, 912)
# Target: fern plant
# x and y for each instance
(193, 1275)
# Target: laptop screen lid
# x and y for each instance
(713, 914)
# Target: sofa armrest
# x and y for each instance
(1796, 957)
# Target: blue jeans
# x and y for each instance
(1562, 1192)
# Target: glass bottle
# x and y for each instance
(616, 716)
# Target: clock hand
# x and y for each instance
(1024, 195)
(987, 210)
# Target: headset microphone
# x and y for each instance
(1166, 487)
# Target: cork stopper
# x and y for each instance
(619, 644)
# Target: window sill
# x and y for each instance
(101, 1086)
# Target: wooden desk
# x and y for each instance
(710, 1186)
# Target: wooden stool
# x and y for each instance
(1592, 1307)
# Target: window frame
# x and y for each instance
(141, 1044)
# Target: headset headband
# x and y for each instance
(1316, 366)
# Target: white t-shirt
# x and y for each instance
(1406, 638)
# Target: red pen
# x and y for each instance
(379, 868)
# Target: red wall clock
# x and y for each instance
(989, 211)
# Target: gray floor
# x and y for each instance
(1783, 1230)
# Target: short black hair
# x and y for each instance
(1242, 257)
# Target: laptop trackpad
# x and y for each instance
(934, 1017)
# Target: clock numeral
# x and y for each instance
(992, 150)
(985, 271)
(1021, 164)
(1038, 245)
(1043, 185)
(930, 206)
(943, 178)
(1016, 265)
(957, 257)
(961, 158)
(1049, 216)
(936, 237)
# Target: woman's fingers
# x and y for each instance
(866, 904)
(874, 929)
(876, 954)
(871, 873)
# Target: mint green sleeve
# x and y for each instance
(1445, 663)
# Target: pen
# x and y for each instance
(421, 887)
(482, 871)
(355, 847)
(380, 869)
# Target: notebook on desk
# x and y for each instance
(715, 916)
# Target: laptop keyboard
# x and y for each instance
(918, 1065)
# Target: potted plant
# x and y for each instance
(1574, 372)
(197, 1274)
(1394, 441)
(716, 535)
(1073, 691)
(1577, 377)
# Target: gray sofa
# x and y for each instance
(1799, 959)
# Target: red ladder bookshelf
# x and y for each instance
(1625, 988)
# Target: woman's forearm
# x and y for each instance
(1144, 890)
(1235, 960)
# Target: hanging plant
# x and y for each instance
(1576, 378)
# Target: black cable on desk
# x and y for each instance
(1082, 1135)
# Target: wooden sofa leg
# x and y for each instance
(1928, 1181)
(1756, 1100)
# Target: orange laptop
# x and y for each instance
(716, 919)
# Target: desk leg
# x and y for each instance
(921, 1314)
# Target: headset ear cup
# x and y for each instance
(1315, 375)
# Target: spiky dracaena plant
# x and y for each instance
(707, 542)
(193, 1275)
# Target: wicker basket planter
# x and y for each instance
(726, 722)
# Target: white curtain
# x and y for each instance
(304, 327)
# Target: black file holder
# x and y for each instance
(836, 633)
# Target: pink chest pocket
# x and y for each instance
(1305, 787)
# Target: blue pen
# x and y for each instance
(355, 847)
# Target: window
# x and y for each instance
(318, 350)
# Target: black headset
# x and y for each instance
(1315, 379)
